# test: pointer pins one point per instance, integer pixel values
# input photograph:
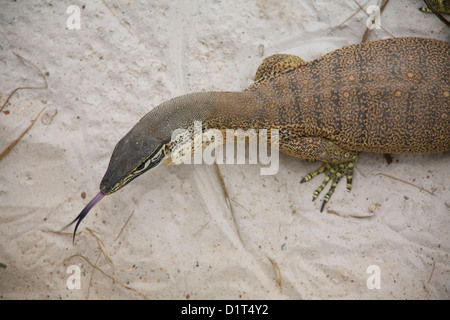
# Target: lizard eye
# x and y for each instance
(150, 163)
(141, 166)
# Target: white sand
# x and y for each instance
(181, 241)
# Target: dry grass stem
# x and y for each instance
(13, 144)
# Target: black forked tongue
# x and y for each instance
(84, 212)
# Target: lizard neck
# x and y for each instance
(231, 110)
(178, 121)
(215, 110)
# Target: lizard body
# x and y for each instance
(387, 96)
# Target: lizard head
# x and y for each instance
(137, 152)
(147, 145)
(133, 155)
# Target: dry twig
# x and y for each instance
(25, 61)
(13, 144)
(109, 276)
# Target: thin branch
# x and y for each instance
(13, 144)
(25, 61)
(340, 25)
(102, 247)
(227, 199)
(383, 4)
(109, 276)
(406, 182)
(126, 222)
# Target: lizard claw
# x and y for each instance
(333, 172)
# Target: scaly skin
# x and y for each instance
(387, 96)
(440, 5)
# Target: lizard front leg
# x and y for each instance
(337, 162)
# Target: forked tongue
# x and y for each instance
(84, 212)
